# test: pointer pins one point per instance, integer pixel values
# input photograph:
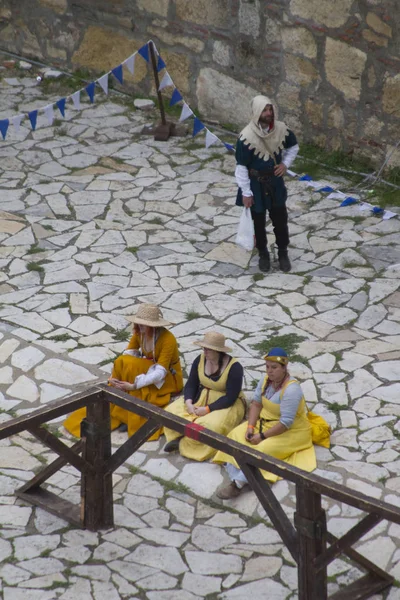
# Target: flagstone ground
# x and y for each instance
(95, 218)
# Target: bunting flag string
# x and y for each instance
(165, 81)
(61, 106)
(176, 97)
(186, 112)
(130, 63)
(4, 123)
(49, 112)
(118, 74)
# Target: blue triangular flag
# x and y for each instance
(197, 126)
(144, 52)
(33, 118)
(348, 201)
(176, 97)
(117, 72)
(90, 91)
(305, 178)
(377, 210)
(327, 188)
(61, 106)
(160, 64)
(229, 147)
(4, 123)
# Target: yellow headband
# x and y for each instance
(283, 360)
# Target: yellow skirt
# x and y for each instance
(127, 368)
(294, 447)
(221, 421)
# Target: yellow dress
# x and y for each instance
(221, 421)
(127, 368)
(294, 446)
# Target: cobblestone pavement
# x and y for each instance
(95, 218)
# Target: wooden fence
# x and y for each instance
(309, 542)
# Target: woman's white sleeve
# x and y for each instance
(135, 353)
(289, 154)
(155, 375)
(243, 180)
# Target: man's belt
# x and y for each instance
(262, 175)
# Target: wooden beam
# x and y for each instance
(61, 449)
(251, 456)
(363, 588)
(272, 507)
(347, 540)
(310, 523)
(97, 493)
(53, 504)
(51, 411)
(48, 471)
(131, 445)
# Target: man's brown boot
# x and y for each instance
(227, 492)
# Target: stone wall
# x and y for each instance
(332, 65)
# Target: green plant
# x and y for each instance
(192, 314)
(61, 337)
(335, 407)
(33, 266)
(122, 335)
(48, 227)
(132, 249)
(35, 249)
(156, 221)
(258, 277)
(288, 342)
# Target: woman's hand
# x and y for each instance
(255, 439)
(125, 386)
(189, 407)
(249, 433)
(200, 411)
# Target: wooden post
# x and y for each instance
(164, 129)
(310, 521)
(96, 488)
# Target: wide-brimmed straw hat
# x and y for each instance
(150, 315)
(277, 355)
(214, 341)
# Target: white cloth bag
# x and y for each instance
(245, 234)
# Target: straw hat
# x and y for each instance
(214, 341)
(150, 315)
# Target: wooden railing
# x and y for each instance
(307, 539)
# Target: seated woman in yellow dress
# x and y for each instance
(148, 369)
(277, 425)
(212, 397)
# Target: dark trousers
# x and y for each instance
(279, 219)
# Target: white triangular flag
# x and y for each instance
(130, 63)
(103, 81)
(211, 138)
(165, 81)
(291, 173)
(49, 112)
(16, 121)
(336, 196)
(76, 99)
(388, 215)
(365, 206)
(186, 112)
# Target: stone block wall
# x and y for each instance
(332, 65)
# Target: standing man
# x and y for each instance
(264, 151)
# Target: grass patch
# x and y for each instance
(35, 250)
(351, 264)
(288, 342)
(257, 277)
(33, 266)
(335, 407)
(132, 249)
(122, 335)
(62, 337)
(156, 221)
(192, 314)
(107, 361)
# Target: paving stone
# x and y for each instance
(210, 563)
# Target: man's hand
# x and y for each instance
(280, 170)
(248, 201)
(255, 439)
